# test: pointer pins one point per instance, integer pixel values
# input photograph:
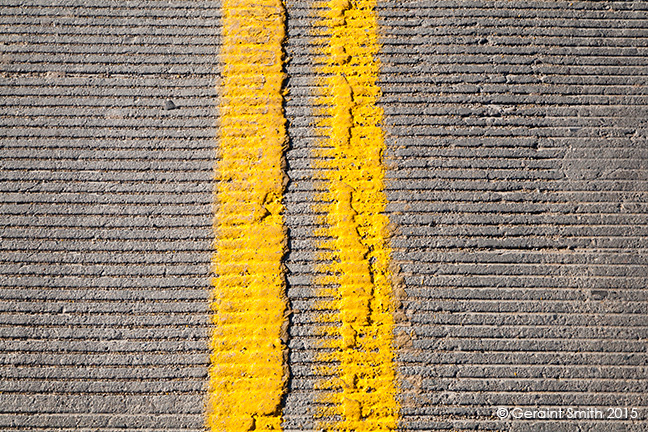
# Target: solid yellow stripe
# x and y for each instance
(363, 393)
(248, 374)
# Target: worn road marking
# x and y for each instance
(362, 389)
(248, 373)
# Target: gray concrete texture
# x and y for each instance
(517, 182)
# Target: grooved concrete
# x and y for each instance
(106, 213)
(518, 172)
(517, 141)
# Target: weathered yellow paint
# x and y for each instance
(359, 312)
(248, 373)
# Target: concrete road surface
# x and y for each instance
(516, 185)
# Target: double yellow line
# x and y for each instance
(248, 372)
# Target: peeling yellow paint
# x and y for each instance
(358, 317)
(248, 373)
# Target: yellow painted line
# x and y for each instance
(248, 374)
(361, 391)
